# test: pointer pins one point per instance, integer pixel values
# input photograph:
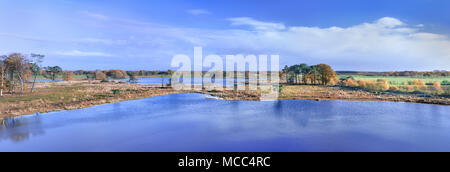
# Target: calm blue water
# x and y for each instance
(189, 122)
(37, 81)
(149, 81)
(195, 81)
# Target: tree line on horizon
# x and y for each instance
(323, 74)
(120, 74)
(436, 73)
(18, 69)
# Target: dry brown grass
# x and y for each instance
(73, 95)
(322, 92)
(338, 93)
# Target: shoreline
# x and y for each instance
(220, 98)
(320, 93)
(364, 100)
(71, 95)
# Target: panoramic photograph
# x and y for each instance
(224, 76)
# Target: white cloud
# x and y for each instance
(389, 22)
(103, 41)
(258, 25)
(78, 53)
(430, 36)
(198, 12)
(24, 37)
(95, 15)
(384, 44)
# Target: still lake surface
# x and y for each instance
(195, 81)
(150, 81)
(189, 122)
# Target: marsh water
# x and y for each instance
(195, 81)
(149, 81)
(190, 122)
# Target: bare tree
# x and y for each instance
(35, 66)
(18, 65)
(3, 73)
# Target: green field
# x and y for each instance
(397, 80)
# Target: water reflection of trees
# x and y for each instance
(301, 112)
(20, 129)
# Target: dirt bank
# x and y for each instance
(74, 95)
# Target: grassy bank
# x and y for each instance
(399, 80)
(344, 93)
(73, 95)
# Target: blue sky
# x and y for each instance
(376, 35)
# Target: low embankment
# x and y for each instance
(354, 94)
(74, 95)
